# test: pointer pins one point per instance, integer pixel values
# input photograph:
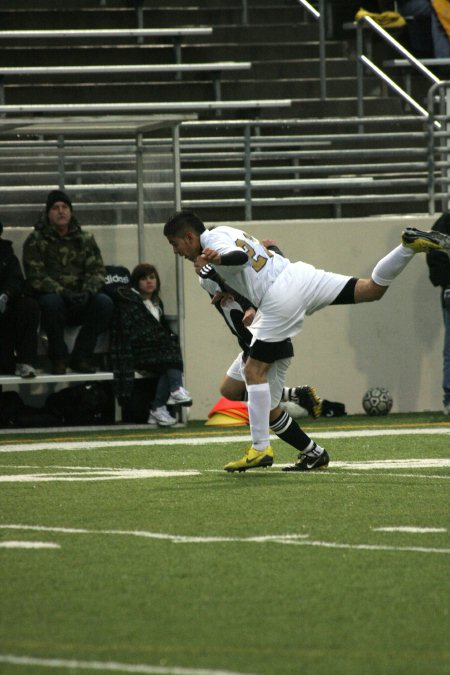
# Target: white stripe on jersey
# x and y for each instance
(254, 278)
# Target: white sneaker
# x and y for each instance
(180, 396)
(161, 417)
(25, 370)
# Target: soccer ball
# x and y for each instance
(377, 401)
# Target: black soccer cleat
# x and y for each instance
(306, 463)
(307, 398)
(422, 242)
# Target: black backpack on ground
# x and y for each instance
(83, 404)
(15, 414)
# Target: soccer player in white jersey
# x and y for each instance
(284, 293)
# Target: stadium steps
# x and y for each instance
(280, 41)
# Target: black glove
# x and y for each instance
(77, 299)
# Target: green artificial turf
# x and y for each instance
(259, 572)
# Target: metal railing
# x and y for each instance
(438, 100)
(364, 60)
(254, 167)
(319, 15)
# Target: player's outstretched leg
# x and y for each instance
(252, 459)
(422, 242)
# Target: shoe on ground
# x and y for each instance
(251, 460)
(161, 417)
(306, 463)
(59, 366)
(25, 370)
(180, 396)
(422, 242)
(80, 364)
(307, 398)
(446, 410)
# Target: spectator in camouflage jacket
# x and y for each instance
(64, 270)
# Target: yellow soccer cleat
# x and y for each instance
(422, 242)
(251, 460)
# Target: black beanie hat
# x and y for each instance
(57, 196)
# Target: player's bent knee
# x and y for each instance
(255, 371)
(232, 389)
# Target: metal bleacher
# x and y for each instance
(267, 143)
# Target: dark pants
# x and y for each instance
(94, 318)
(19, 334)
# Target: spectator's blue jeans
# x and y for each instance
(446, 381)
(168, 381)
(420, 36)
(56, 314)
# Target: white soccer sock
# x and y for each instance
(391, 265)
(285, 395)
(313, 450)
(258, 413)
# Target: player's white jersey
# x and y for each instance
(255, 277)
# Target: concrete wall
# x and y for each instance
(396, 343)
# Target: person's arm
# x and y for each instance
(208, 272)
(439, 268)
(94, 271)
(35, 270)
(13, 280)
(232, 258)
(271, 245)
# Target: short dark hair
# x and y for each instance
(144, 270)
(181, 222)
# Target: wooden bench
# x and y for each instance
(216, 68)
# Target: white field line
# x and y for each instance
(48, 474)
(74, 664)
(370, 465)
(28, 544)
(408, 528)
(94, 475)
(406, 475)
(162, 536)
(285, 539)
(208, 440)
